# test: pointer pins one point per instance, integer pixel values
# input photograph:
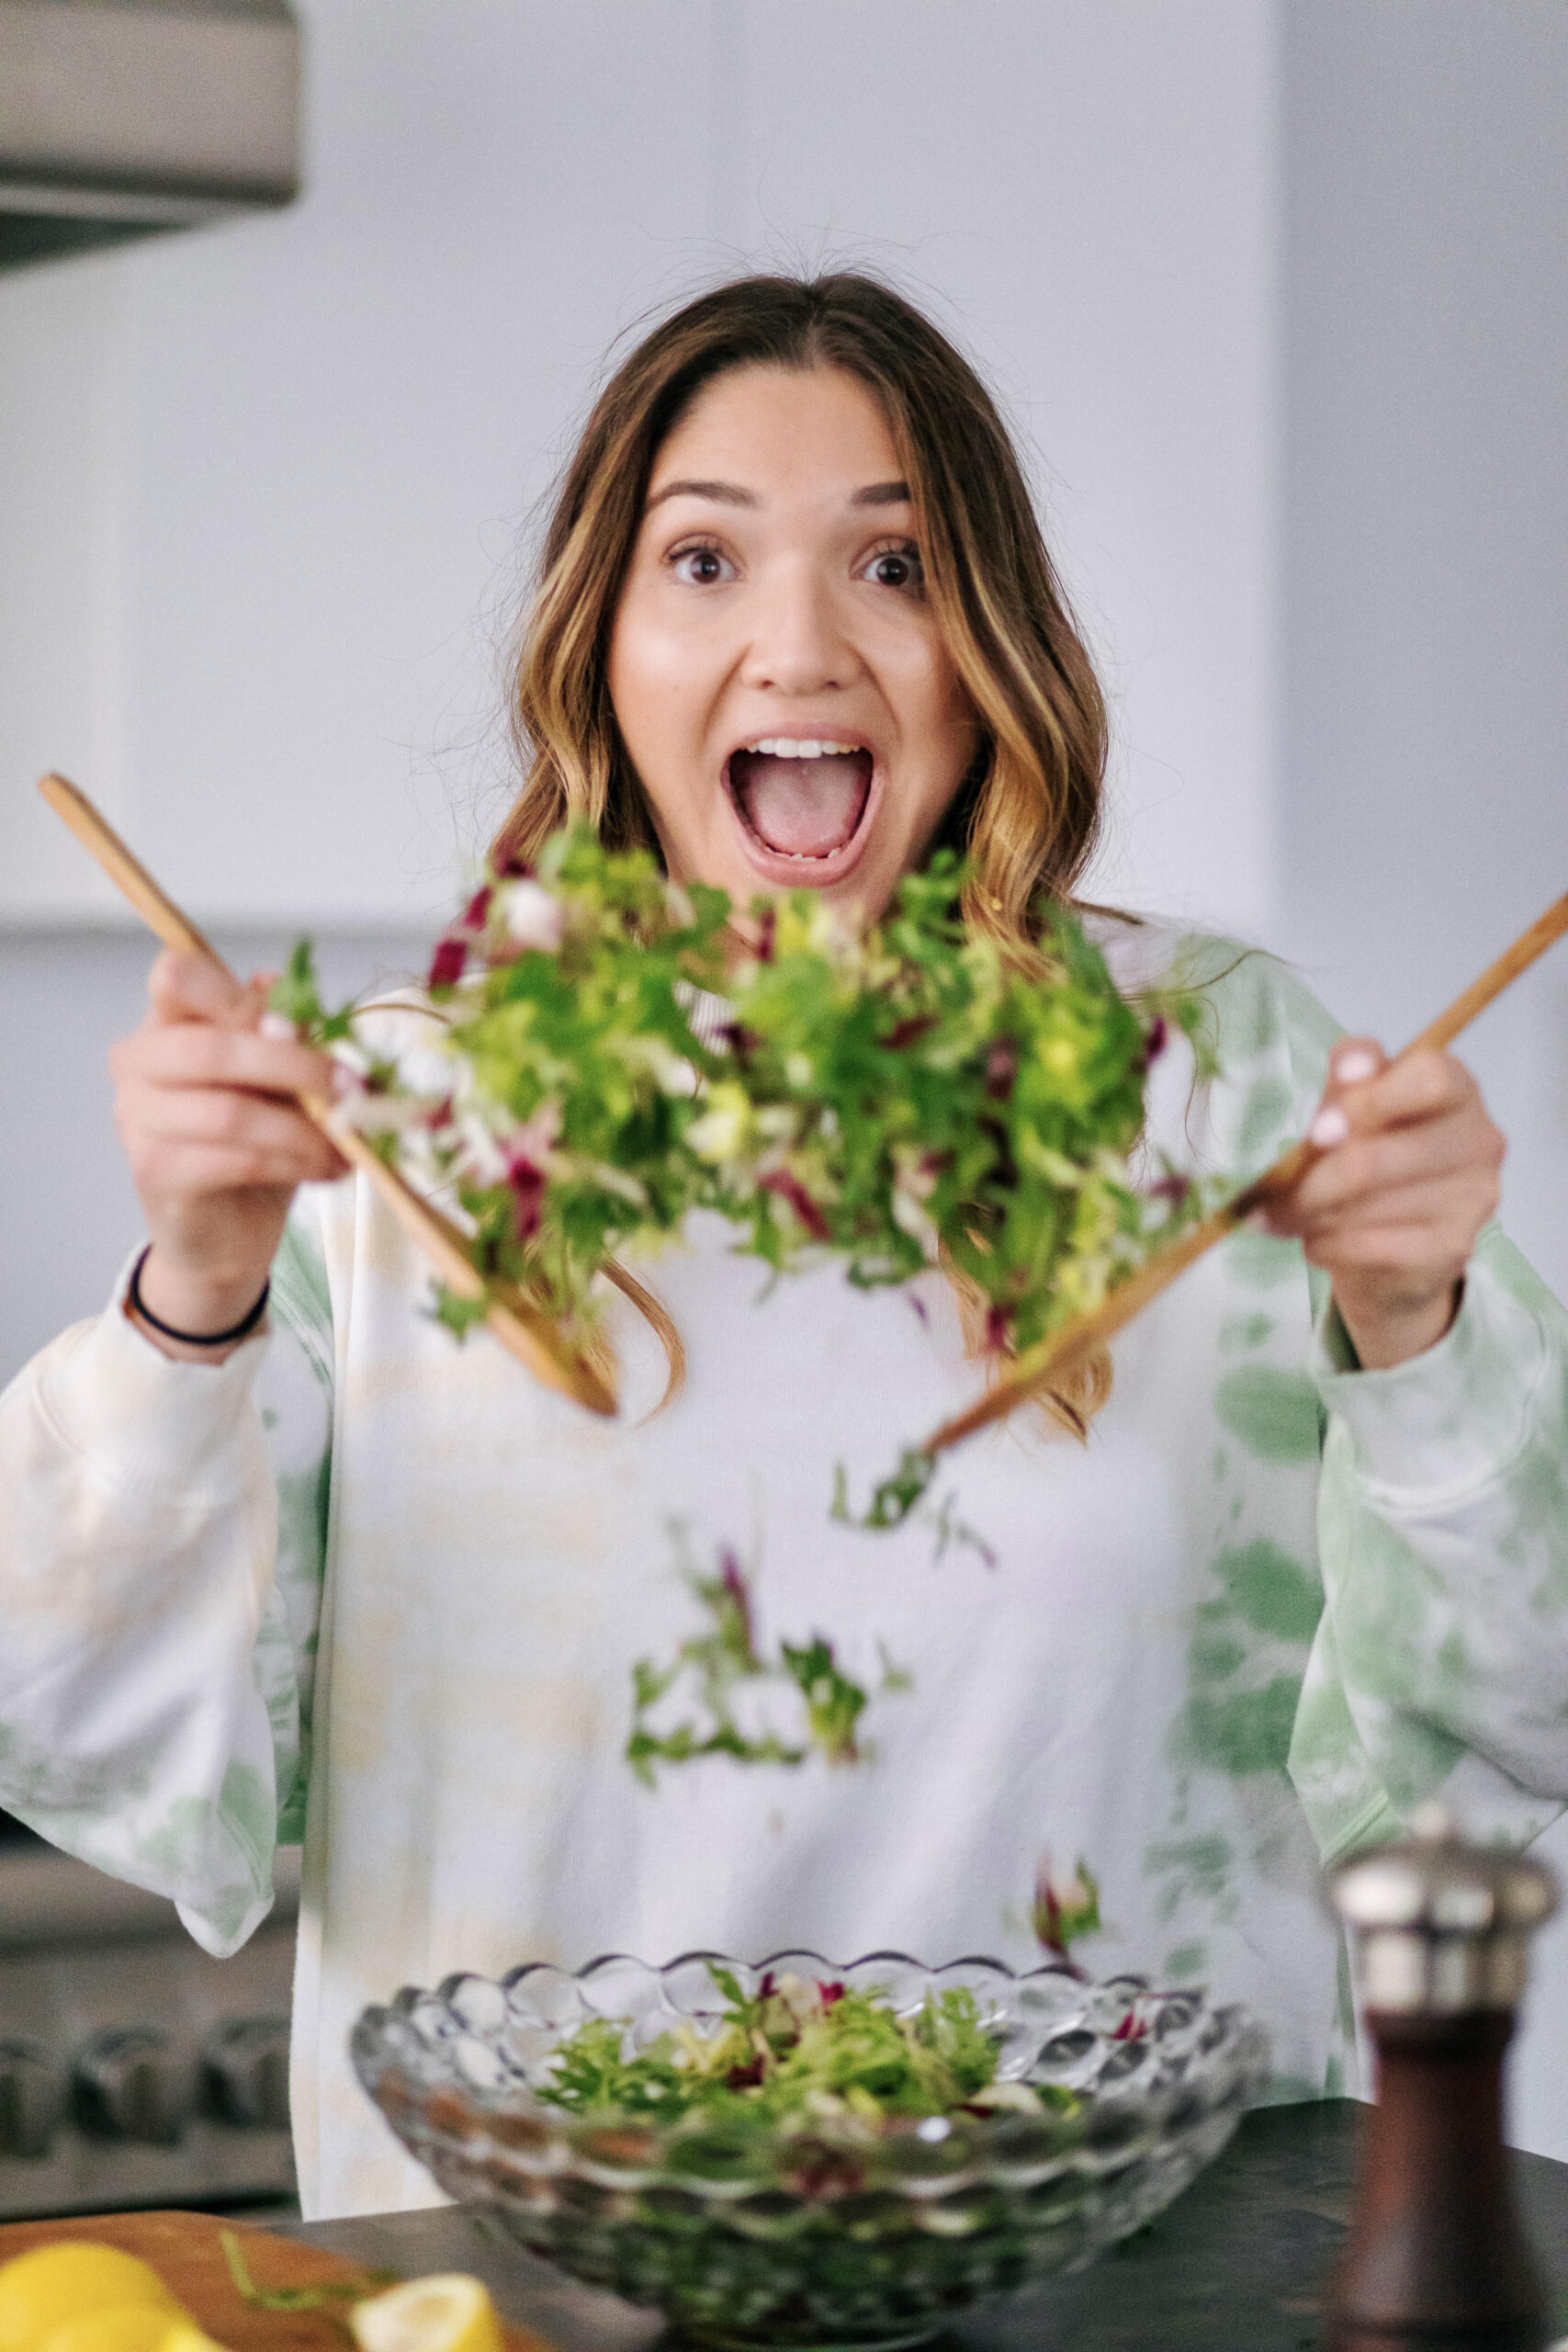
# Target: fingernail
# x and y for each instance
(1358, 1064)
(345, 1082)
(278, 1026)
(1329, 1128)
(1258, 1221)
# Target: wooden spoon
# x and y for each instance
(530, 1336)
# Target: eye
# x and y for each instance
(898, 566)
(700, 565)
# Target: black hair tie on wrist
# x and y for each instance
(239, 1330)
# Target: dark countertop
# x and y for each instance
(1237, 2265)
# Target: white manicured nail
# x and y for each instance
(278, 1026)
(1358, 1064)
(1329, 1128)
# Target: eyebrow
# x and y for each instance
(730, 493)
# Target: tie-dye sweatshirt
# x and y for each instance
(365, 1588)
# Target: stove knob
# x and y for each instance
(247, 2065)
(134, 2082)
(32, 2098)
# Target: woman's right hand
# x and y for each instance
(216, 1144)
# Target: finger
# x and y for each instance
(1434, 1154)
(217, 1167)
(1353, 1061)
(175, 1155)
(185, 987)
(191, 1054)
(217, 1114)
(1403, 1093)
(1462, 1206)
(1415, 1251)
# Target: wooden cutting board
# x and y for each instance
(183, 2249)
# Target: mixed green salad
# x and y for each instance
(798, 2053)
(604, 1050)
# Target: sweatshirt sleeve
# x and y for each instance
(162, 1537)
(1440, 1666)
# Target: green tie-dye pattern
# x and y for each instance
(303, 1302)
(1276, 1414)
(1199, 1868)
(51, 1793)
(1266, 1113)
(246, 1813)
(1345, 1801)
(1247, 1731)
(177, 1851)
(1259, 1262)
(302, 1295)
(1251, 1634)
(1238, 1331)
(1272, 1593)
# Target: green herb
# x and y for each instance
(1064, 1909)
(892, 1501)
(798, 2051)
(295, 995)
(324, 2296)
(710, 1670)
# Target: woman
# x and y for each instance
(349, 1584)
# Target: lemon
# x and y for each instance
(56, 2284)
(446, 2312)
(123, 2327)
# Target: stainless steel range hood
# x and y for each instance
(120, 117)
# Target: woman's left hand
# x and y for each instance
(1391, 1210)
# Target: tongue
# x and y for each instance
(802, 807)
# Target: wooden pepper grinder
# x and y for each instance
(1437, 2254)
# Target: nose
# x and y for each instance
(798, 645)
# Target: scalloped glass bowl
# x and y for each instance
(847, 2234)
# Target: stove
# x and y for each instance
(135, 2070)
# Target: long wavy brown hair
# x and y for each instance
(1028, 812)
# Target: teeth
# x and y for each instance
(806, 747)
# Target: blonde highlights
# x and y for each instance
(1026, 814)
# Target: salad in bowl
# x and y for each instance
(800, 2153)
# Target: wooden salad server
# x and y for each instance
(1065, 1348)
(520, 1326)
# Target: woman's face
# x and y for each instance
(776, 670)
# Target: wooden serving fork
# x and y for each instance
(520, 1326)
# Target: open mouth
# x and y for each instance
(802, 799)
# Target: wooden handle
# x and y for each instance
(516, 1322)
(94, 832)
(1066, 1349)
(1514, 960)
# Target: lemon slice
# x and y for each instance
(54, 2285)
(447, 2312)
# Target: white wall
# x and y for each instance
(1424, 808)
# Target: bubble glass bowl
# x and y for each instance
(849, 2233)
